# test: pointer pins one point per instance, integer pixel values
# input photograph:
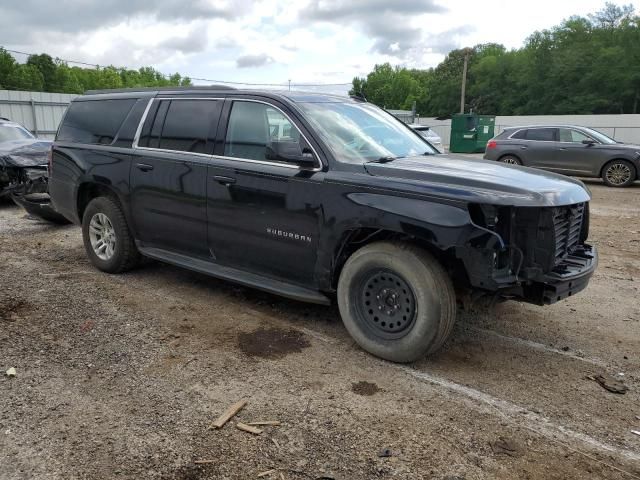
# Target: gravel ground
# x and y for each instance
(121, 376)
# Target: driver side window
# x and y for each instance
(572, 136)
(253, 127)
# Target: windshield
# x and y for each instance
(601, 137)
(360, 132)
(13, 132)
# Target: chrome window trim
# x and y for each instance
(265, 162)
(319, 164)
(136, 138)
(550, 141)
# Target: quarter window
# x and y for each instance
(253, 127)
(94, 121)
(542, 134)
(520, 135)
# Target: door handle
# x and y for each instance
(226, 181)
(563, 149)
(145, 167)
(523, 148)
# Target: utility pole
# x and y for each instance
(289, 84)
(467, 52)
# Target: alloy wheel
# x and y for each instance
(102, 236)
(618, 174)
(510, 161)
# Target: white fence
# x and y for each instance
(624, 128)
(40, 112)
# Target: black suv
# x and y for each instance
(313, 196)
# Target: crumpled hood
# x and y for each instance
(482, 181)
(24, 153)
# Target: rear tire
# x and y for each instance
(106, 236)
(396, 301)
(619, 173)
(510, 160)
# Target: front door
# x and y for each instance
(169, 174)
(264, 215)
(576, 158)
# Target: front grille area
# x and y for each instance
(567, 224)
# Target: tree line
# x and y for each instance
(42, 73)
(586, 65)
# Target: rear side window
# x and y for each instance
(542, 134)
(94, 121)
(181, 125)
(520, 135)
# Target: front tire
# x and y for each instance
(396, 301)
(619, 173)
(107, 240)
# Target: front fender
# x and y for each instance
(442, 225)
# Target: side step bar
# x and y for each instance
(267, 284)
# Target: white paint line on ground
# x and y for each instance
(537, 346)
(314, 334)
(520, 415)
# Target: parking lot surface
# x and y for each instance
(121, 376)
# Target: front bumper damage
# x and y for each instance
(536, 255)
(28, 187)
(568, 278)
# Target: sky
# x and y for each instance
(273, 41)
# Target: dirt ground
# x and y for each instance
(121, 376)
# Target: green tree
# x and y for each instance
(25, 77)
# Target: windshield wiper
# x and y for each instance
(386, 159)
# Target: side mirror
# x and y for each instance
(589, 142)
(292, 152)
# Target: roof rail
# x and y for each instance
(358, 96)
(160, 89)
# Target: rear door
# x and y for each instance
(539, 149)
(264, 215)
(169, 174)
(576, 158)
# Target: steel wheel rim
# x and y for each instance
(386, 304)
(510, 161)
(618, 174)
(102, 236)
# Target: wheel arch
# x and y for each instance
(356, 238)
(619, 159)
(87, 191)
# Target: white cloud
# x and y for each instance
(307, 41)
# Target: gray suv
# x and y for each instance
(569, 150)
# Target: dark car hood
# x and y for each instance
(483, 181)
(24, 153)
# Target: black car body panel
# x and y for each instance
(289, 228)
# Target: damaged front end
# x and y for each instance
(24, 177)
(536, 254)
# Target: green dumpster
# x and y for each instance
(470, 132)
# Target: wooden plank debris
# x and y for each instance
(229, 414)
